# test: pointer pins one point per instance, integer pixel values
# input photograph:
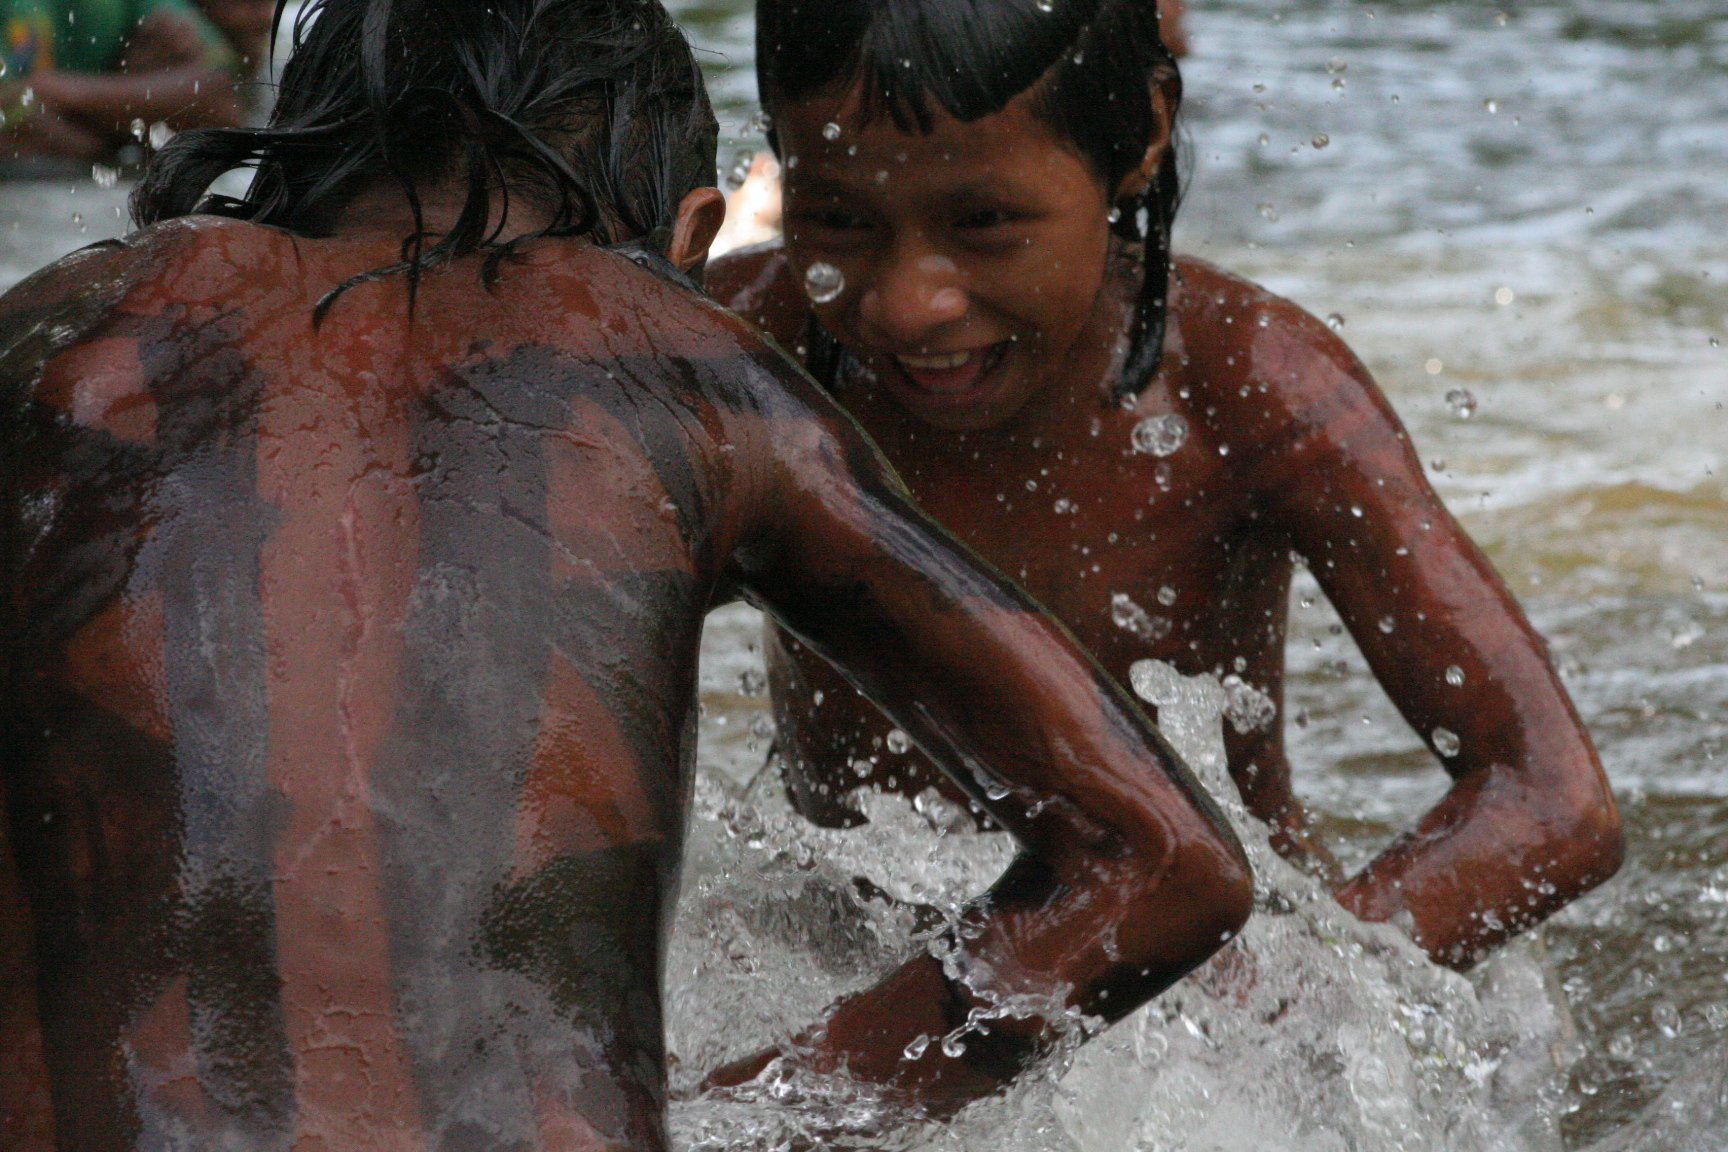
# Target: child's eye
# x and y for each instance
(837, 219)
(986, 218)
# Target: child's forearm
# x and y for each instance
(1494, 858)
(186, 98)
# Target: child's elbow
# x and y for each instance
(1205, 898)
(1227, 896)
(1595, 831)
(1584, 838)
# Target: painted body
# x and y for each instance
(351, 685)
(986, 306)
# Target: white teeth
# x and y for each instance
(935, 363)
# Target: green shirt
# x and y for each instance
(89, 35)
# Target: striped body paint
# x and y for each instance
(349, 696)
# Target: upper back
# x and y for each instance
(170, 406)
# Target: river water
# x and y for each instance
(1523, 203)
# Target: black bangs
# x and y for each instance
(594, 111)
(1093, 67)
(970, 57)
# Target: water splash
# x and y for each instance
(1312, 1030)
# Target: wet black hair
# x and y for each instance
(1093, 66)
(593, 110)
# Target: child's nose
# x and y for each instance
(912, 296)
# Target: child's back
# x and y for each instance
(422, 603)
(357, 660)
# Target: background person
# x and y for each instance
(80, 73)
(977, 261)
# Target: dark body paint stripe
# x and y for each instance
(203, 557)
(510, 986)
(190, 894)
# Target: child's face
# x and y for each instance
(973, 257)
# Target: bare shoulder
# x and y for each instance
(1266, 368)
(191, 257)
(79, 318)
(760, 284)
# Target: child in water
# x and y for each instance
(355, 542)
(978, 209)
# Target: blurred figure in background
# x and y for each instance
(82, 78)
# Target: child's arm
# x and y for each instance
(1529, 823)
(1128, 877)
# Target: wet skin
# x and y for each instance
(351, 695)
(990, 238)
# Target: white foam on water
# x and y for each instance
(1312, 1031)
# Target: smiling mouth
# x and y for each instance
(950, 375)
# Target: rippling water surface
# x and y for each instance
(1521, 202)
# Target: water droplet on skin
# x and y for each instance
(1115, 216)
(1046, 5)
(917, 1048)
(1065, 507)
(1455, 676)
(1166, 595)
(823, 282)
(1334, 321)
(1135, 620)
(1446, 742)
(1504, 296)
(1388, 625)
(1462, 403)
(830, 131)
(1321, 140)
(1160, 435)
(1491, 105)
(898, 742)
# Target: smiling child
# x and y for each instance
(978, 210)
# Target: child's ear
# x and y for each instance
(699, 220)
(1136, 182)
